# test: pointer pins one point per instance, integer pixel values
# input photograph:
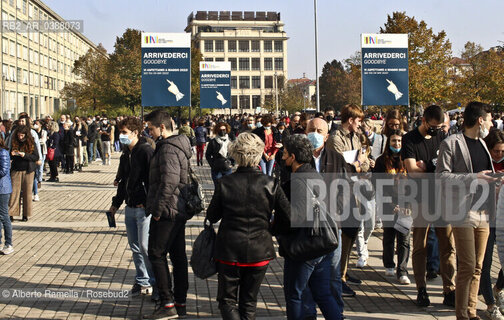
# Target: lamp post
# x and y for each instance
(3, 94)
(276, 93)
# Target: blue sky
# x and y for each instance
(340, 22)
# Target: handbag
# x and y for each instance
(312, 242)
(202, 261)
(50, 154)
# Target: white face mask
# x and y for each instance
(483, 132)
(498, 161)
(36, 126)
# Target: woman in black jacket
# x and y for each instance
(217, 152)
(68, 147)
(24, 156)
(244, 201)
(53, 142)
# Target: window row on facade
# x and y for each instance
(254, 64)
(22, 76)
(33, 104)
(243, 45)
(252, 82)
(248, 101)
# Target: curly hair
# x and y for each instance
(246, 150)
(27, 146)
(300, 147)
(132, 124)
(220, 124)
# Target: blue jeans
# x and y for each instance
(216, 175)
(90, 151)
(432, 251)
(486, 280)
(137, 229)
(267, 166)
(5, 222)
(316, 275)
(336, 284)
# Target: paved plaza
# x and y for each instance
(67, 245)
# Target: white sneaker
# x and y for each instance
(494, 314)
(389, 272)
(7, 250)
(362, 262)
(36, 197)
(404, 280)
(499, 298)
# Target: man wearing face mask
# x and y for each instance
(105, 133)
(464, 158)
(91, 135)
(420, 153)
(133, 177)
(333, 166)
(329, 116)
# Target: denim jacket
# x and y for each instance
(5, 179)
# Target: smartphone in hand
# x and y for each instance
(111, 219)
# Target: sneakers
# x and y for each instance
(362, 262)
(138, 290)
(36, 198)
(7, 249)
(404, 280)
(163, 312)
(499, 298)
(346, 290)
(422, 298)
(181, 310)
(389, 272)
(353, 280)
(494, 314)
(449, 299)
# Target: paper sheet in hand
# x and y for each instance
(350, 156)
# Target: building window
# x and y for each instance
(256, 63)
(233, 83)
(245, 102)
(268, 46)
(278, 46)
(219, 59)
(232, 45)
(244, 82)
(244, 64)
(24, 6)
(13, 48)
(268, 82)
(209, 59)
(256, 101)
(256, 82)
(208, 45)
(234, 102)
(219, 45)
(244, 45)
(5, 45)
(268, 63)
(278, 63)
(256, 46)
(233, 63)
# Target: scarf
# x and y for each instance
(223, 142)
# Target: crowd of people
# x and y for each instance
(29, 148)
(256, 162)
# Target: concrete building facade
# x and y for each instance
(256, 45)
(36, 65)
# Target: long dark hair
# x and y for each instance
(2, 143)
(28, 145)
(389, 155)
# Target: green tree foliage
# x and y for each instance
(89, 93)
(429, 59)
(481, 77)
(125, 71)
(339, 85)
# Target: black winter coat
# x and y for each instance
(168, 173)
(244, 201)
(68, 142)
(133, 175)
(214, 158)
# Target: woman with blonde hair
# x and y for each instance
(245, 198)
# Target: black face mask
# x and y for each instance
(222, 133)
(432, 131)
(329, 118)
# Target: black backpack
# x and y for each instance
(193, 195)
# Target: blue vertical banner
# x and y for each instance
(384, 69)
(215, 85)
(166, 69)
